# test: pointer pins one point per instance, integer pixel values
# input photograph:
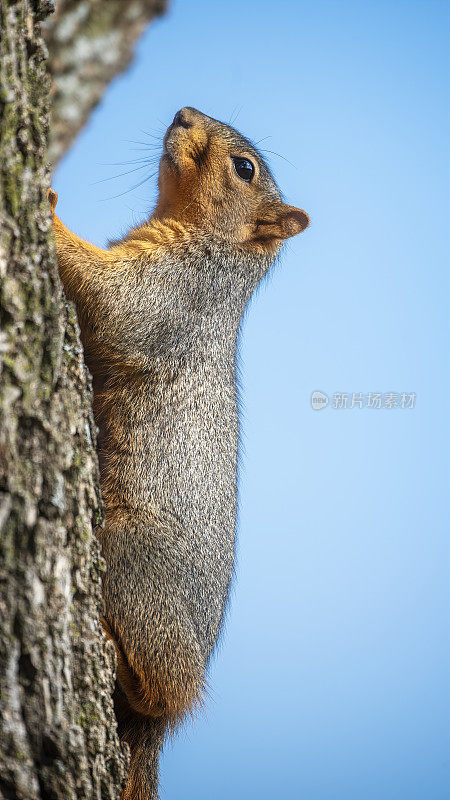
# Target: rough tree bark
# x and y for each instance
(89, 41)
(58, 736)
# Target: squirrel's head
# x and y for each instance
(212, 178)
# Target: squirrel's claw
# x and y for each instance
(52, 198)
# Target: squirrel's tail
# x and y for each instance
(145, 737)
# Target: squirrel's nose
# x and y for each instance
(184, 118)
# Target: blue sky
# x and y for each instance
(331, 682)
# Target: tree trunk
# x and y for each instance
(58, 736)
(90, 41)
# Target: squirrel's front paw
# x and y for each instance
(52, 198)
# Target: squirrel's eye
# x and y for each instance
(244, 168)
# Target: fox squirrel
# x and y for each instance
(159, 314)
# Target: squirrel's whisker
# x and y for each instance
(152, 135)
(124, 163)
(120, 174)
(262, 140)
(146, 145)
(131, 189)
(279, 156)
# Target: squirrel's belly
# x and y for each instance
(206, 583)
(187, 539)
(165, 591)
(178, 481)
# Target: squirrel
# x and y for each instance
(159, 315)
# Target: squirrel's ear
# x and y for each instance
(291, 221)
(279, 223)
